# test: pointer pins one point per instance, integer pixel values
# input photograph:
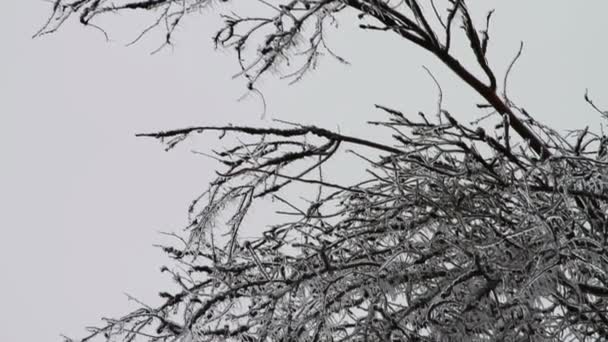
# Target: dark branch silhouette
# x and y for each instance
(457, 233)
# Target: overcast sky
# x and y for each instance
(82, 200)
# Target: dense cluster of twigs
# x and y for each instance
(457, 234)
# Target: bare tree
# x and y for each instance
(457, 233)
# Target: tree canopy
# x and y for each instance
(459, 232)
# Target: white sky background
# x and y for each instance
(82, 200)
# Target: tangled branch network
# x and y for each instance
(457, 233)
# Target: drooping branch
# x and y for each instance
(300, 131)
(407, 29)
(283, 29)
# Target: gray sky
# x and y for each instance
(83, 200)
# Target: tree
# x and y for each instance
(457, 234)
